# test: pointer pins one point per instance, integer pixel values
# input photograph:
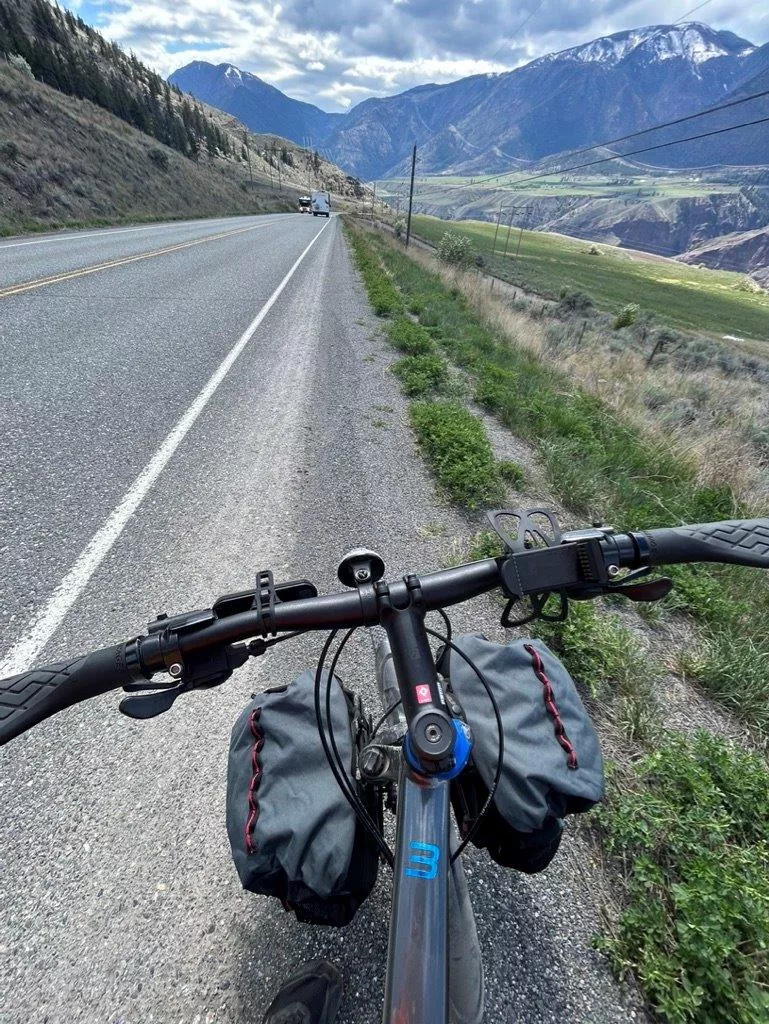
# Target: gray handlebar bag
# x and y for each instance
(552, 759)
(292, 833)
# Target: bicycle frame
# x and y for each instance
(416, 987)
(431, 922)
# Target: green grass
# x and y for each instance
(458, 451)
(601, 466)
(691, 838)
(687, 297)
(421, 374)
(454, 441)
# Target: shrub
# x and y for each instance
(159, 157)
(692, 840)
(420, 374)
(400, 227)
(458, 450)
(626, 316)
(747, 284)
(455, 249)
(17, 61)
(575, 302)
(594, 251)
(409, 337)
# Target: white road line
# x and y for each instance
(48, 620)
(106, 232)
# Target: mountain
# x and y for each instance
(260, 106)
(609, 87)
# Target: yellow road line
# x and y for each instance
(41, 282)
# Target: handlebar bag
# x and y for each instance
(292, 833)
(552, 760)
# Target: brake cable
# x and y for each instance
(337, 767)
(500, 738)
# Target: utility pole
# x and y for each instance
(278, 161)
(411, 194)
(509, 229)
(496, 232)
(520, 236)
(248, 157)
(373, 200)
(268, 154)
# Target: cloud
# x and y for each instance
(337, 52)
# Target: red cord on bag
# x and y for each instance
(256, 777)
(552, 708)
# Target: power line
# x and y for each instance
(630, 152)
(669, 124)
(697, 8)
(514, 34)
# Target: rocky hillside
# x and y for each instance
(65, 161)
(748, 250)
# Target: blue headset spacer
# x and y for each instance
(463, 745)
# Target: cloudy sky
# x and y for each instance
(335, 53)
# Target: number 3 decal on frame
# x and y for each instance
(423, 860)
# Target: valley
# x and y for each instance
(707, 301)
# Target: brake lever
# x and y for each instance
(150, 705)
(653, 590)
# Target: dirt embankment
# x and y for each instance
(746, 249)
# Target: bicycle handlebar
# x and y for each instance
(736, 542)
(28, 698)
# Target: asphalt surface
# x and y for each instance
(119, 900)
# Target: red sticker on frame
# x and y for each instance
(422, 694)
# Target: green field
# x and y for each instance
(706, 301)
(437, 189)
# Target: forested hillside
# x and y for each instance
(65, 53)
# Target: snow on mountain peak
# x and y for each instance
(233, 72)
(691, 41)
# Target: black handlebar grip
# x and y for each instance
(30, 697)
(736, 541)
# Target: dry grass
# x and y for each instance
(708, 415)
(72, 162)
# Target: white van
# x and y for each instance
(321, 204)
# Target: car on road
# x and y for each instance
(305, 204)
(321, 204)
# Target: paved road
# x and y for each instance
(119, 902)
